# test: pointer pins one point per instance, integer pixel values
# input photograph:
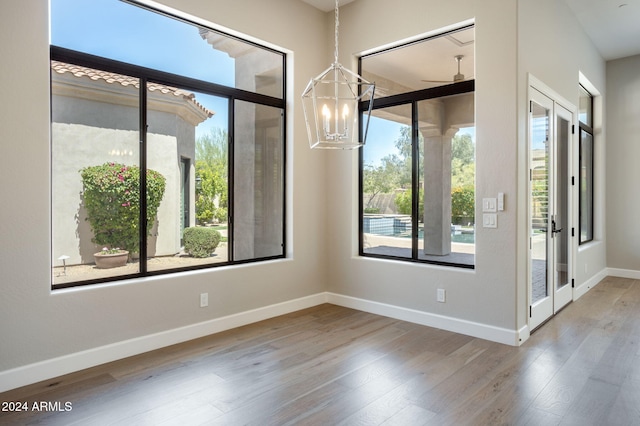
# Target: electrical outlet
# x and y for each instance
(204, 300)
(441, 296)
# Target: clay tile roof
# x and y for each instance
(124, 80)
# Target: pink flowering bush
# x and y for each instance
(111, 196)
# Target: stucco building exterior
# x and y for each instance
(95, 120)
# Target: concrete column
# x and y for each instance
(244, 220)
(440, 120)
(437, 190)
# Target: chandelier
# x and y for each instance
(330, 104)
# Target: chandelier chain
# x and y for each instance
(337, 24)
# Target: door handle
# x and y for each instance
(553, 227)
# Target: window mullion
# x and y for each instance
(231, 178)
(143, 176)
(415, 179)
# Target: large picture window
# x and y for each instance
(168, 145)
(417, 186)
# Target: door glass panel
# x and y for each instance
(539, 165)
(187, 145)
(586, 186)
(585, 115)
(561, 224)
(386, 183)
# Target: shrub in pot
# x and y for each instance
(111, 258)
(200, 241)
(111, 196)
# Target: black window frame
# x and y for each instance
(412, 98)
(586, 128)
(149, 75)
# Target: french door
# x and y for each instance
(550, 203)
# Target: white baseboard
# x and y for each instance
(33, 373)
(624, 273)
(523, 334)
(456, 325)
(579, 291)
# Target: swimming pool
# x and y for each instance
(469, 238)
(400, 226)
(456, 236)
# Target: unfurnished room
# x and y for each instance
(319, 212)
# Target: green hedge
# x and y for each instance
(111, 196)
(200, 241)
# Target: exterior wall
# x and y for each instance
(257, 194)
(244, 179)
(257, 199)
(84, 134)
(623, 174)
(166, 147)
(77, 146)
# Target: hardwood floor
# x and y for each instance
(330, 365)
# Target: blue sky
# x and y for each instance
(380, 140)
(382, 136)
(120, 31)
(127, 33)
(539, 132)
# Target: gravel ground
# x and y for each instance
(89, 271)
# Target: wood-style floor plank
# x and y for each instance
(330, 365)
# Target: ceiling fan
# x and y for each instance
(456, 78)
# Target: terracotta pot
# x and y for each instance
(114, 260)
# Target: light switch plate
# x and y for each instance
(490, 220)
(489, 205)
(500, 201)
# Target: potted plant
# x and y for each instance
(111, 194)
(111, 258)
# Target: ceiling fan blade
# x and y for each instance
(437, 81)
(446, 81)
(456, 78)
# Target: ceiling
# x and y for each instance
(326, 5)
(612, 25)
(433, 63)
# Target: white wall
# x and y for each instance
(554, 49)
(623, 173)
(512, 40)
(485, 296)
(37, 324)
